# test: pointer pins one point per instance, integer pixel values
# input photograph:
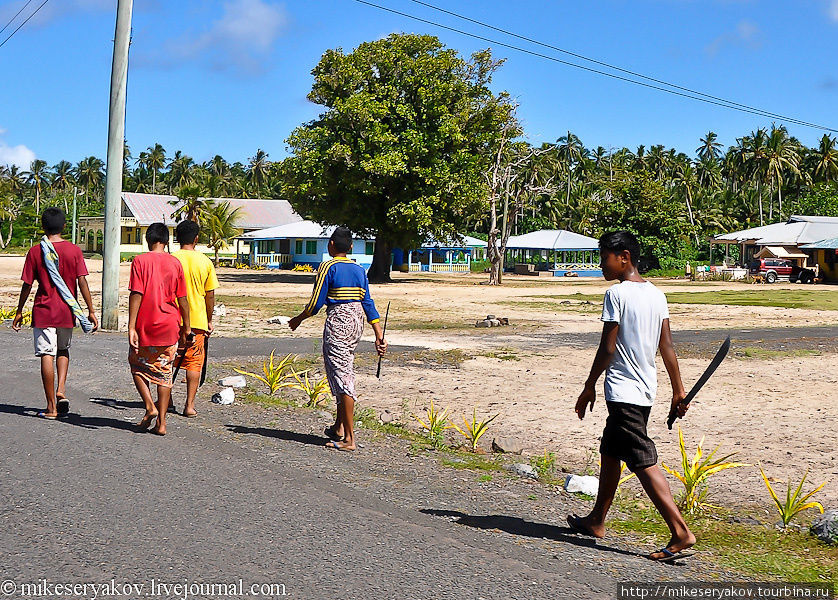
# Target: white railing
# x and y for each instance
(273, 259)
(576, 267)
(441, 267)
(127, 221)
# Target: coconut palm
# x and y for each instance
(90, 173)
(155, 161)
(63, 178)
(823, 161)
(36, 177)
(219, 225)
(709, 147)
(180, 171)
(9, 212)
(257, 172)
(781, 157)
(189, 203)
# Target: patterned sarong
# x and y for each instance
(344, 326)
(153, 363)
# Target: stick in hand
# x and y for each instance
(383, 333)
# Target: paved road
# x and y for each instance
(234, 495)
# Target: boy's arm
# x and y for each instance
(134, 301)
(670, 360)
(85, 293)
(210, 301)
(318, 297)
(185, 329)
(25, 288)
(604, 354)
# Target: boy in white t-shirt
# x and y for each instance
(636, 325)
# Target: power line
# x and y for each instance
(3, 43)
(698, 96)
(28, 2)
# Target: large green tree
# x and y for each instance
(402, 147)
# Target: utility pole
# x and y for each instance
(113, 181)
(75, 191)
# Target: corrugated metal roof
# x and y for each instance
(254, 214)
(829, 244)
(300, 229)
(794, 232)
(552, 239)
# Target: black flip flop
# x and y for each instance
(574, 522)
(330, 433)
(670, 556)
(62, 407)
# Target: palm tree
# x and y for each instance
(781, 157)
(36, 176)
(257, 173)
(684, 176)
(9, 211)
(90, 174)
(190, 204)
(709, 147)
(570, 150)
(180, 171)
(219, 225)
(156, 160)
(754, 160)
(62, 176)
(824, 161)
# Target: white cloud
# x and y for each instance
(239, 41)
(833, 10)
(18, 155)
(746, 34)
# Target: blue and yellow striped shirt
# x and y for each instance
(339, 281)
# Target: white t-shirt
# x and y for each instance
(640, 309)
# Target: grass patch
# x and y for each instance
(755, 550)
(426, 325)
(501, 354)
(765, 354)
(473, 462)
(266, 307)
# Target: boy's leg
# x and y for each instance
(164, 395)
(346, 417)
(48, 379)
(145, 393)
(657, 488)
(62, 364)
(609, 480)
(193, 380)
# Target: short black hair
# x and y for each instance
(617, 242)
(52, 220)
(187, 232)
(157, 233)
(342, 239)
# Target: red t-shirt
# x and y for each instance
(158, 276)
(50, 310)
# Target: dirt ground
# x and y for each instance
(775, 409)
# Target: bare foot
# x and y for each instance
(158, 430)
(190, 412)
(145, 422)
(341, 446)
(586, 526)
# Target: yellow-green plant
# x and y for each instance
(544, 465)
(436, 425)
(696, 473)
(274, 373)
(475, 429)
(316, 390)
(11, 312)
(795, 503)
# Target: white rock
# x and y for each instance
(581, 484)
(494, 322)
(233, 381)
(524, 470)
(483, 324)
(219, 310)
(225, 396)
(279, 320)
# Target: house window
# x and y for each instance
(298, 247)
(311, 247)
(369, 248)
(137, 235)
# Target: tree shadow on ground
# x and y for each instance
(270, 276)
(519, 526)
(117, 404)
(86, 422)
(280, 434)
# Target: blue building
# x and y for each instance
(302, 243)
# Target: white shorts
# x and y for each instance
(50, 340)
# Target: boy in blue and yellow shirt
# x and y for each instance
(342, 286)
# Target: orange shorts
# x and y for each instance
(193, 360)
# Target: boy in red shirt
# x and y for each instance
(52, 317)
(156, 307)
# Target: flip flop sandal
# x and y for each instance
(575, 524)
(330, 433)
(670, 556)
(335, 446)
(44, 415)
(62, 406)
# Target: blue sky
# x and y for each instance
(227, 77)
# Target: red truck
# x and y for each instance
(772, 269)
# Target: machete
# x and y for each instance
(708, 372)
(384, 331)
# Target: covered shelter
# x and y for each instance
(787, 238)
(451, 256)
(556, 250)
(300, 243)
(825, 253)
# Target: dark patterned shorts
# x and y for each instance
(625, 436)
